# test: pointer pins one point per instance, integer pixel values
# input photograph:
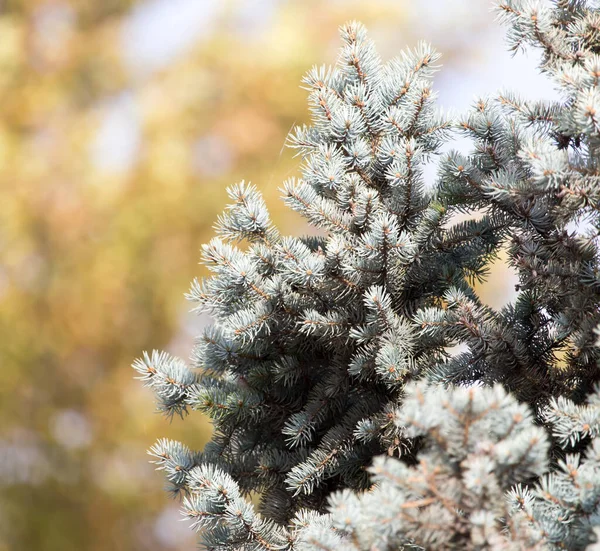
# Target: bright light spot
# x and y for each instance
(169, 530)
(212, 155)
(71, 429)
(22, 460)
(159, 30)
(118, 139)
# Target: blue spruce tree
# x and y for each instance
(326, 372)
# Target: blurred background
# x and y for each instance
(121, 124)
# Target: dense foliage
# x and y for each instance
(329, 351)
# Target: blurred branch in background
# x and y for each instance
(121, 123)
